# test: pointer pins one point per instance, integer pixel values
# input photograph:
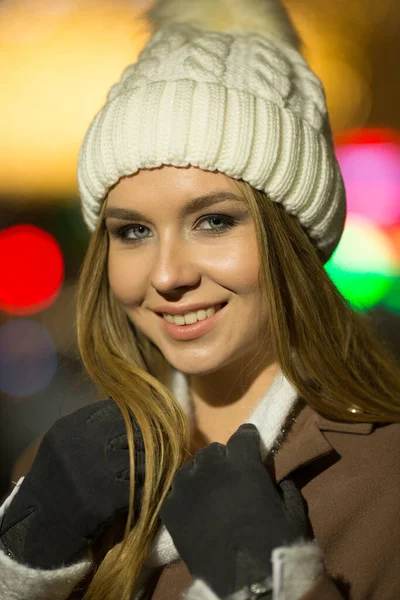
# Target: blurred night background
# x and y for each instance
(58, 60)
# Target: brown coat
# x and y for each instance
(349, 475)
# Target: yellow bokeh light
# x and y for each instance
(60, 65)
(61, 57)
(337, 57)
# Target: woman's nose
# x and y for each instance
(175, 266)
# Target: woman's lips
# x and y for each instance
(194, 331)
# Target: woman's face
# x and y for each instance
(165, 257)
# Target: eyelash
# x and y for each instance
(230, 222)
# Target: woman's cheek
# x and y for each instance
(242, 265)
(125, 278)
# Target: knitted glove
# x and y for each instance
(77, 485)
(225, 515)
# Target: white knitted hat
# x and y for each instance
(221, 86)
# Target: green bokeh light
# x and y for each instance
(362, 290)
(363, 266)
(392, 299)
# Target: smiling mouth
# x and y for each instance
(220, 306)
(191, 331)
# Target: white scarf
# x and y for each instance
(269, 416)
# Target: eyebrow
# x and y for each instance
(190, 208)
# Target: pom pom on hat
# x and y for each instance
(207, 92)
(268, 17)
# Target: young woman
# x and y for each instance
(248, 448)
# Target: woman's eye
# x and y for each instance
(124, 232)
(137, 232)
(227, 223)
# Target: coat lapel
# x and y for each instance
(306, 441)
(303, 444)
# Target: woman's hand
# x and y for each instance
(225, 515)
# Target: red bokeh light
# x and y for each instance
(31, 269)
(367, 136)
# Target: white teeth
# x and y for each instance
(191, 317)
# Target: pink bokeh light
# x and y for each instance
(371, 173)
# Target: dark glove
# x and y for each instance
(225, 515)
(77, 485)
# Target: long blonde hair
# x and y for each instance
(326, 350)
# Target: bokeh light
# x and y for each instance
(28, 358)
(392, 298)
(31, 269)
(364, 265)
(336, 54)
(64, 56)
(370, 164)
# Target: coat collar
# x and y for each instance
(306, 441)
(270, 415)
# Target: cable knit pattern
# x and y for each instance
(243, 104)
